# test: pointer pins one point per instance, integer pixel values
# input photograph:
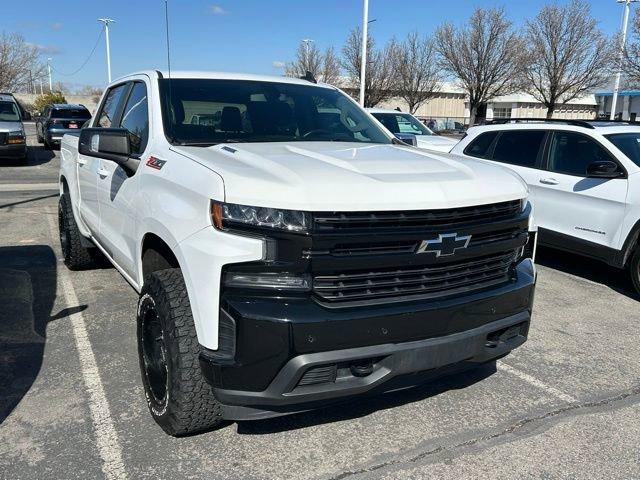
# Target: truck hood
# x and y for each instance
(10, 126)
(435, 142)
(324, 176)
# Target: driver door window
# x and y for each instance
(109, 109)
(135, 118)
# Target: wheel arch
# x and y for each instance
(629, 245)
(155, 254)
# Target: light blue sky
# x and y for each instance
(239, 35)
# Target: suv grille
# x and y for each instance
(425, 282)
(419, 219)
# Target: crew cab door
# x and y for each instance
(572, 204)
(118, 185)
(89, 167)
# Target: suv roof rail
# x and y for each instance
(566, 121)
(616, 120)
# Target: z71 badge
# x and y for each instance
(156, 163)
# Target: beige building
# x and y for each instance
(450, 104)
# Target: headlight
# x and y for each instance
(228, 215)
(17, 136)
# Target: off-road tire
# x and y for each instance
(76, 256)
(188, 405)
(634, 269)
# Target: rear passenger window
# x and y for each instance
(518, 147)
(571, 153)
(480, 146)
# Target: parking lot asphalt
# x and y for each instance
(565, 405)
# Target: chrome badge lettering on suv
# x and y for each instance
(446, 244)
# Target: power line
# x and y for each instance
(83, 63)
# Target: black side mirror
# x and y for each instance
(604, 169)
(408, 138)
(108, 143)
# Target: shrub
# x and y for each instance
(43, 100)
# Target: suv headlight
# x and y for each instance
(229, 215)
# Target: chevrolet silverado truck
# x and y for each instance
(290, 253)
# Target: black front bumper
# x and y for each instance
(293, 355)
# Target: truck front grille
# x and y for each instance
(419, 219)
(434, 281)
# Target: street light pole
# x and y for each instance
(623, 41)
(106, 22)
(49, 69)
(307, 42)
(363, 59)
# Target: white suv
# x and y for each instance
(584, 181)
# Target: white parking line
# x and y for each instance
(565, 397)
(106, 437)
(28, 187)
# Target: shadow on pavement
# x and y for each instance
(589, 269)
(27, 295)
(363, 406)
(36, 155)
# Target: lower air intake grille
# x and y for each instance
(316, 375)
(430, 282)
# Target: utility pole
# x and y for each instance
(363, 59)
(623, 41)
(106, 22)
(49, 68)
(307, 45)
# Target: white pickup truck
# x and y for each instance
(287, 250)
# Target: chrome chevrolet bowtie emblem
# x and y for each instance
(445, 244)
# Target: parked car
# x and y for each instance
(583, 178)
(294, 255)
(59, 119)
(406, 124)
(13, 140)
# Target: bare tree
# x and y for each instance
(19, 62)
(380, 77)
(631, 63)
(484, 56)
(567, 54)
(330, 67)
(323, 66)
(417, 69)
(308, 59)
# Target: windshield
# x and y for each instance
(627, 143)
(206, 112)
(9, 112)
(402, 123)
(79, 113)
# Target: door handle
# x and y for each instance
(549, 181)
(103, 173)
(81, 161)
